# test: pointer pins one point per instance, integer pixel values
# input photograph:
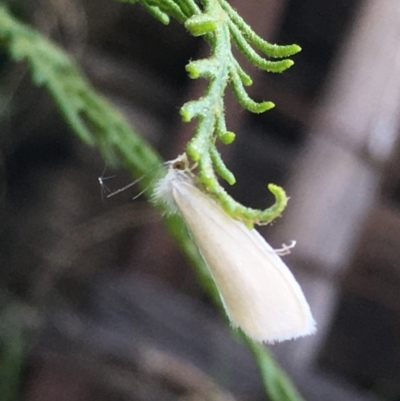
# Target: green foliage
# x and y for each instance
(97, 123)
(277, 385)
(220, 25)
(87, 112)
(11, 354)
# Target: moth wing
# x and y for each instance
(258, 291)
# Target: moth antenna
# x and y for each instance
(103, 187)
(144, 190)
(135, 182)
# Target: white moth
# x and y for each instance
(258, 291)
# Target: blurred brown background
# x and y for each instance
(96, 301)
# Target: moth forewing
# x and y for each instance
(258, 290)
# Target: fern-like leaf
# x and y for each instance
(221, 26)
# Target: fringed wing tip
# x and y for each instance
(309, 330)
